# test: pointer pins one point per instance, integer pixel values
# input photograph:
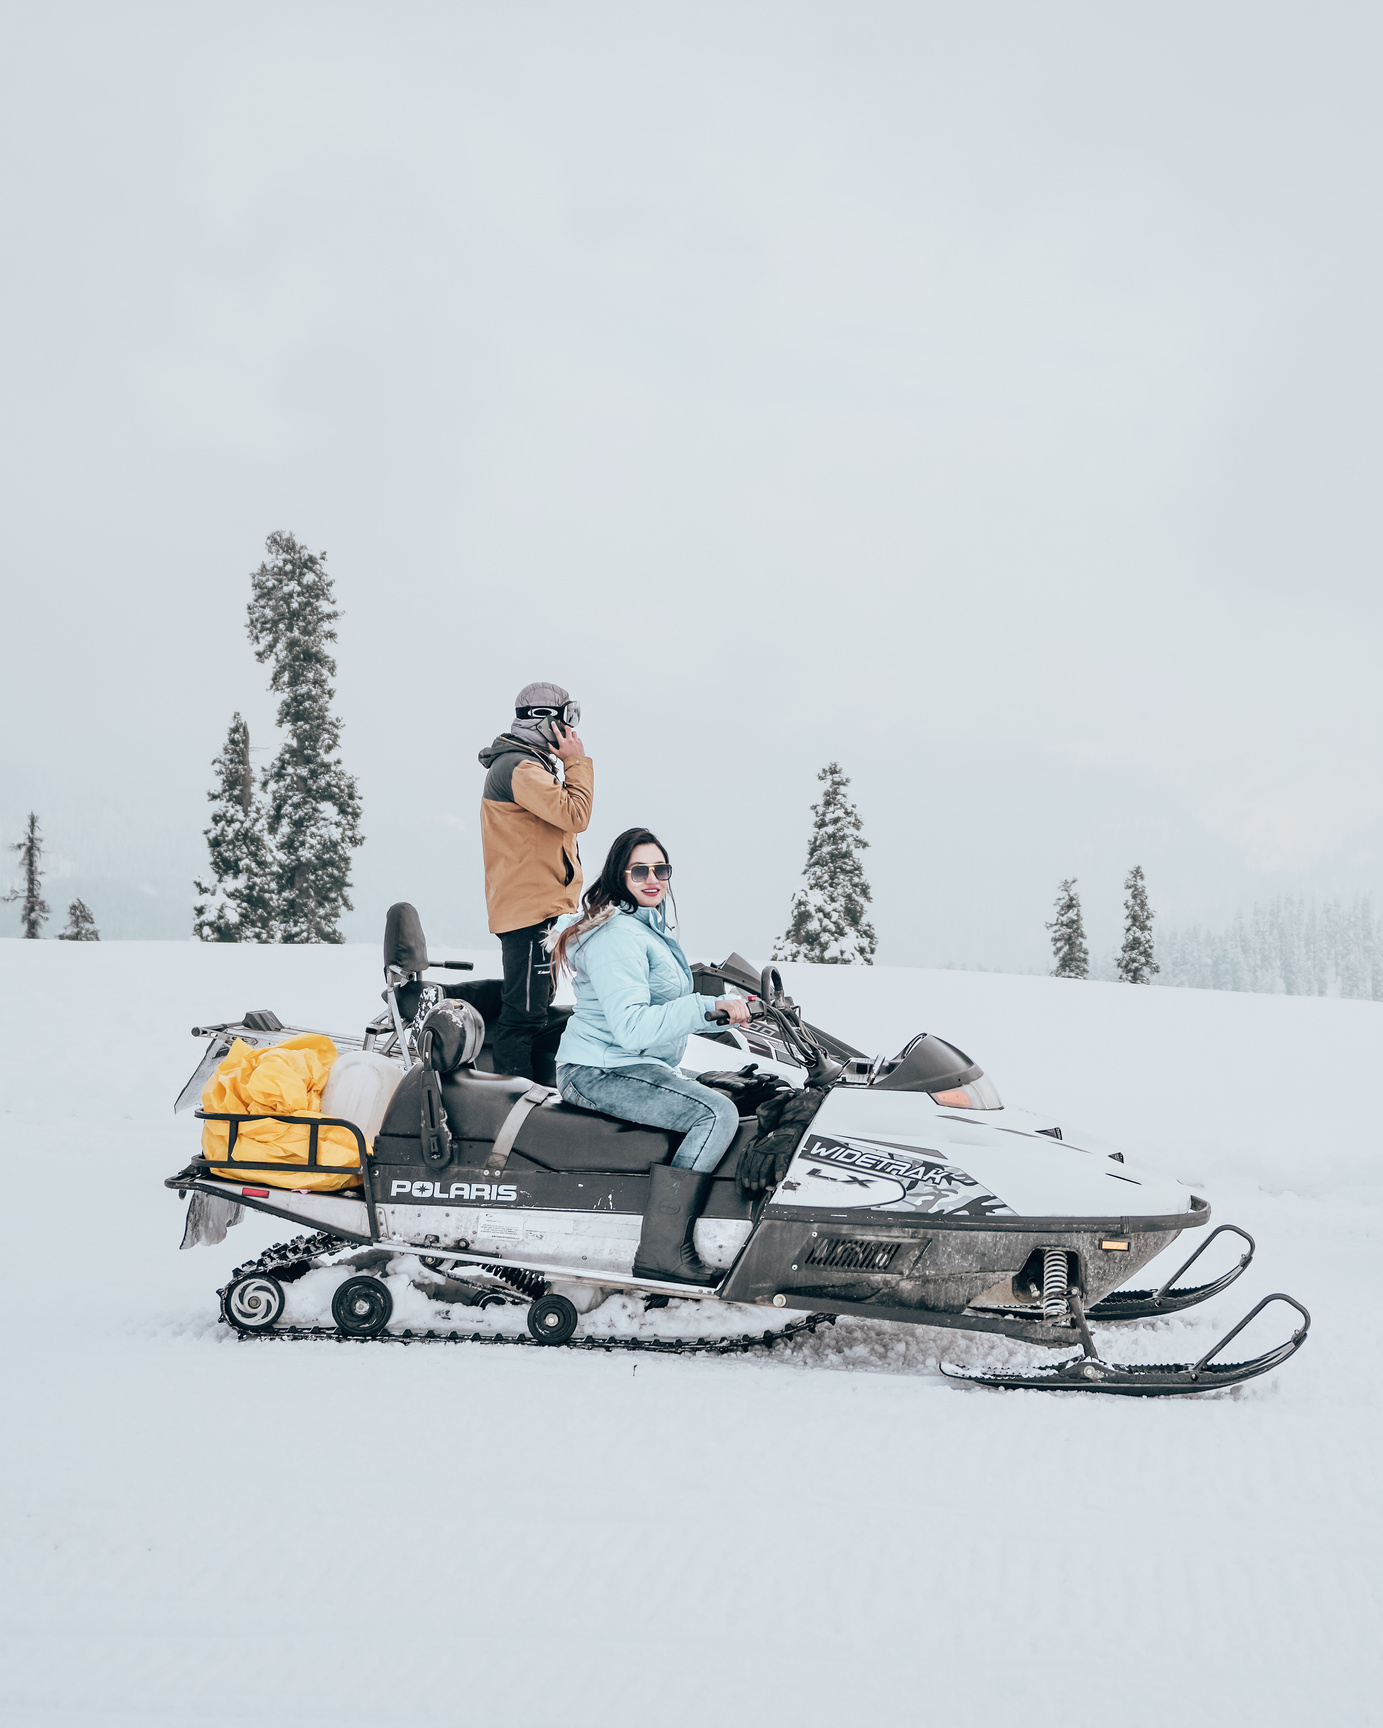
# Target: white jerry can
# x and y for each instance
(359, 1088)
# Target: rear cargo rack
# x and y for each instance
(206, 1167)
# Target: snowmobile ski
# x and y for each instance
(1088, 1372)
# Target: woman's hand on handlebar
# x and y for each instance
(732, 1011)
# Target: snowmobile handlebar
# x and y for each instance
(756, 1012)
(453, 965)
(782, 1013)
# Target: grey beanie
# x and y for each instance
(540, 734)
(541, 696)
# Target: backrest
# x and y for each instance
(405, 946)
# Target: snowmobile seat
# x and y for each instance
(557, 1137)
(553, 1137)
(566, 1138)
(642, 1147)
(477, 1107)
(631, 1148)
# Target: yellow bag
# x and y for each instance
(281, 1080)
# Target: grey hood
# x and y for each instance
(507, 745)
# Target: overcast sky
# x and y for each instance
(987, 396)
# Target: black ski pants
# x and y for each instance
(527, 996)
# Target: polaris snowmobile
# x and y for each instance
(901, 1190)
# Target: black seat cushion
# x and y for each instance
(477, 1108)
(552, 1137)
(563, 1137)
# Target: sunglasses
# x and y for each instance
(569, 713)
(639, 872)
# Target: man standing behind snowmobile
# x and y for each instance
(529, 820)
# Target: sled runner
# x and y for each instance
(900, 1190)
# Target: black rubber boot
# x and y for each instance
(666, 1251)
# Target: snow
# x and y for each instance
(202, 1530)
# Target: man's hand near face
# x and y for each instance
(568, 745)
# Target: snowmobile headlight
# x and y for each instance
(980, 1094)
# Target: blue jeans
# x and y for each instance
(658, 1097)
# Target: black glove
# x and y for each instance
(747, 1089)
(764, 1163)
(782, 1121)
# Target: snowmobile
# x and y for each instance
(898, 1190)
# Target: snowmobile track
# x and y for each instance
(287, 1261)
(655, 1346)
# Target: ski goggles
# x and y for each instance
(640, 872)
(569, 713)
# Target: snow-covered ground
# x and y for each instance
(200, 1530)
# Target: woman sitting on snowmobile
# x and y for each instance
(635, 1009)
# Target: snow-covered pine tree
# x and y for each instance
(313, 814)
(1068, 934)
(1135, 964)
(81, 926)
(828, 922)
(33, 908)
(237, 905)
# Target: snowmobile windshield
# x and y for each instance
(980, 1094)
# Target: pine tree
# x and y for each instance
(81, 926)
(828, 922)
(237, 905)
(33, 908)
(1135, 964)
(1068, 934)
(313, 815)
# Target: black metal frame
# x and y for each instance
(314, 1125)
(216, 1186)
(1044, 1332)
(1146, 1304)
(1269, 1358)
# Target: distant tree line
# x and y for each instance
(1288, 945)
(280, 851)
(33, 908)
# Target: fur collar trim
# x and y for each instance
(582, 927)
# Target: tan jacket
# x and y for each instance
(528, 826)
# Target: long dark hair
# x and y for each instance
(610, 888)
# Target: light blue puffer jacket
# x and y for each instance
(634, 996)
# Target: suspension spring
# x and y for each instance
(530, 1284)
(1056, 1282)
